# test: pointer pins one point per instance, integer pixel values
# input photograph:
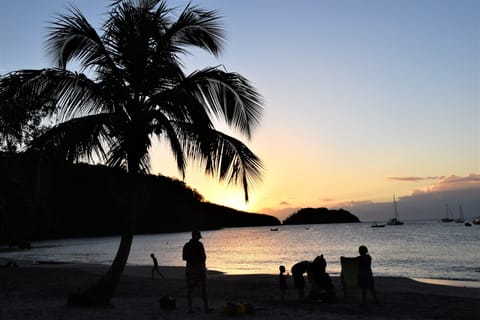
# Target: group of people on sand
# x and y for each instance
(321, 288)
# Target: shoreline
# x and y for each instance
(39, 291)
(462, 283)
(449, 282)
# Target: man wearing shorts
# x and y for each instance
(196, 271)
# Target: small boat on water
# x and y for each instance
(447, 218)
(476, 220)
(395, 221)
(376, 225)
(468, 224)
(274, 229)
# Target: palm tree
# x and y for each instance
(132, 88)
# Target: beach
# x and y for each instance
(39, 291)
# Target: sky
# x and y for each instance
(363, 100)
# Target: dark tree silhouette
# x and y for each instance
(131, 87)
(20, 118)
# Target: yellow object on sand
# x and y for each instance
(233, 309)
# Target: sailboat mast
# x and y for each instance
(395, 207)
(395, 221)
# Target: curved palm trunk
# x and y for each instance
(100, 293)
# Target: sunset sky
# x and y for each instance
(363, 99)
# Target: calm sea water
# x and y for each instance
(426, 249)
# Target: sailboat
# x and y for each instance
(461, 218)
(395, 221)
(447, 218)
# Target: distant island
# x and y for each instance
(320, 216)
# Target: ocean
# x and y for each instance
(417, 249)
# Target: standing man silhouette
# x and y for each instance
(196, 271)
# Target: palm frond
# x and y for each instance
(180, 104)
(146, 4)
(71, 36)
(228, 96)
(118, 157)
(131, 34)
(57, 90)
(164, 128)
(223, 156)
(23, 91)
(83, 137)
(199, 28)
(132, 143)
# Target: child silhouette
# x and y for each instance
(282, 277)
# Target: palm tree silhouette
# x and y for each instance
(132, 88)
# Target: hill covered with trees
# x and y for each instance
(40, 200)
(319, 216)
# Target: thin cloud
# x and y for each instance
(413, 178)
(284, 203)
(350, 204)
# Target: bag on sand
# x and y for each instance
(167, 302)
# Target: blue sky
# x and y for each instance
(363, 99)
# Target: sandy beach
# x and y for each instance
(39, 291)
